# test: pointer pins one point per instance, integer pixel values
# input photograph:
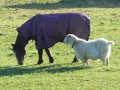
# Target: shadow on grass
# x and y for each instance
(69, 4)
(58, 68)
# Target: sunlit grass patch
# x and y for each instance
(62, 74)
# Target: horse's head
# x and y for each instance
(19, 52)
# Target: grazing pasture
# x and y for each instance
(62, 74)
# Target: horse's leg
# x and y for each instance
(75, 59)
(40, 52)
(87, 38)
(51, 59)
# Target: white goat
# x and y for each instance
(94, 49)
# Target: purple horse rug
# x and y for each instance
(48, 29)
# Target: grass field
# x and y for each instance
(62, 74)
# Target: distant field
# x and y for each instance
(62, 74)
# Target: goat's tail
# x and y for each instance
(111, 43)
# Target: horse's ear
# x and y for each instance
(18, 28)
(12, 44)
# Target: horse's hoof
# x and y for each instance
(51, 60)
(20, 63)
(40, 62)
(75, 61)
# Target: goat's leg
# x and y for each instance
(86, 61)
(40, 52)
(104, 62)
(51, 59)
(107, 61)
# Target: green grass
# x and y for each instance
(62, 75)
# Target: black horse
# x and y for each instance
(48, 29)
